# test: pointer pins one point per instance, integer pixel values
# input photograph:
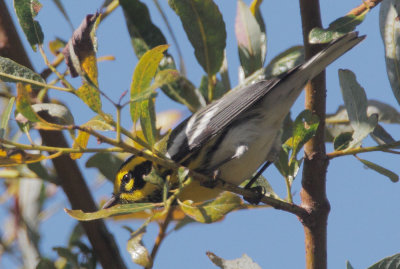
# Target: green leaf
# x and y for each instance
(381, 170)
(262, 182)
(381, 136)
(23, 104)
(66, 253)
(54, 113)
(392, 262)
(99, 123)
(139, 253)
(61, 8)
(182, 90)
(76, 234)
(11, 71)
(144, 34)
(6, 117)
(219, 89)
(348, 265)
(304, 128)
(342, 141)
(42, 172)
(91, 96)
(355, 101)
(389, 26)
(386, 113)
(336, 29)
(142, 77)
(212, 211)
(205, 28)
(56, 45)
(164, 77)
(242, 262)
(250, 39)
(112, 211)
(107, 164)
(26, 11)
(284, 62)
(45, 263)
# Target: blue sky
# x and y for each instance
(363, 223)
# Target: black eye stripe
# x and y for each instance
(139, 172)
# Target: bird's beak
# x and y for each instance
(113, 201)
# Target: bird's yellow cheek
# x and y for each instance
(128, 186)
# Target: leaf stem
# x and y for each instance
(34, 82)
(54, 70)
(288, 190)
(118, 123)
(59, 149)
(362, 150)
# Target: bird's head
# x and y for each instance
(130, 186)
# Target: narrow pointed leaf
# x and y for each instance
(250, 39)
(205, 28)
(112, 211)
(285, 61)
(61, 8)
(348, 265)
(139, 253)
(142, 77)
(381, 136)
(99, 123)
(23, 104)
(183, 91)
(390, 31)
(91, 96)
(6, 116)
(381, 170)
(212, 211)
(336, 29)
(342, 141)
(355, 101)
(107, 164)
(144, 34)
(80, 142)
(26, 11)
(80, 50)
(242, 262)
(304, 128)
(11, 71)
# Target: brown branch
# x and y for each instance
(67, 170)
(161, 235)
(366, 5)
(313, 192)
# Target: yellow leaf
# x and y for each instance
(22, 157)
(23, 104)
(91, 96)
(80, 142)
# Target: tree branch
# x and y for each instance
(313, 192)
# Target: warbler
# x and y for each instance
(231, 137)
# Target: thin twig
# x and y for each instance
(161, 235)
(362, 150)
(366, 5)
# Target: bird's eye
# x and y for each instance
(126, 178)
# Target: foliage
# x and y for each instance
(205, 28)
